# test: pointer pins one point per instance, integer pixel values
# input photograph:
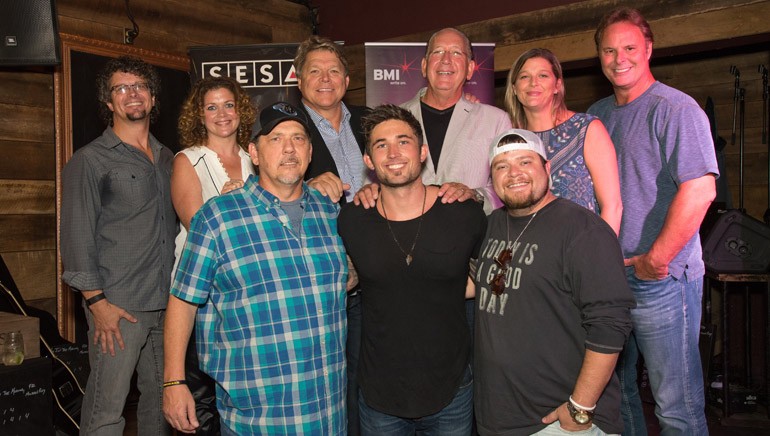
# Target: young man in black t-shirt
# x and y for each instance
(412, 255)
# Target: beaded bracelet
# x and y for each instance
(174, 383)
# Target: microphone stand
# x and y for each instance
(765, 123)
(736, 96)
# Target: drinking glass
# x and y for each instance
(13, 348)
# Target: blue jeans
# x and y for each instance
(666, 332)
(453, 420)
(110, 379)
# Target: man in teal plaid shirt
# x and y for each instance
(266, 272)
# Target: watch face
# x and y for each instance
(582, 418)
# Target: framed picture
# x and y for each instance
(77, 117)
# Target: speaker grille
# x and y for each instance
(29, 33)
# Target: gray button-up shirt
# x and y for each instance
(117, 222)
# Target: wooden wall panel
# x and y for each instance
(34, 273)
(21, 160)
(28, 123)
(33, 197)
(27, 233)
(174, 25)
(27, 88)
(27, 174)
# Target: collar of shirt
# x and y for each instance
(266, 198)
(113, 141)
(319, 120)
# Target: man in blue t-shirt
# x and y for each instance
(667, 170)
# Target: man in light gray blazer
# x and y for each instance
(458, 132)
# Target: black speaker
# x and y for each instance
(30, 33)
(737, 243)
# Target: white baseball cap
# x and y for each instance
(530, 142)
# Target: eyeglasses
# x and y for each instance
(439, 53)
(502, 260)
(125, 89)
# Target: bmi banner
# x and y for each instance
(265, 71)
(394, 72)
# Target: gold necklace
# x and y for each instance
(419, 225)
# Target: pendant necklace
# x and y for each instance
(503, 260)
(505, 256)
(409, 257)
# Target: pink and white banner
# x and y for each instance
(394, 73)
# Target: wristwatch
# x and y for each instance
(579, 415)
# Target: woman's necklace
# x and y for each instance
(419, 225)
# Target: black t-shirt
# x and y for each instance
(435, 123)
(415, 341)
(565, 292)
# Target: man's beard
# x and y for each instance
(530, 200)
(289, 180)
(406, 182)
(137, 116)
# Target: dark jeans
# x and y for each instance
(353, 351)
(453, 420)
(203, 389)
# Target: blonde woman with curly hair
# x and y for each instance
(214, 132)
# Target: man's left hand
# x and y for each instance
(646, 268)
(565, 420)
(451, 192)
(367, 196)
(329, 185)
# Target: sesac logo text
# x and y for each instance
(254, 74)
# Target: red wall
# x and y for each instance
(375, 20)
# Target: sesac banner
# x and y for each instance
(394, 72)
(265, 71)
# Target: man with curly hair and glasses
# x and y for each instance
(117, 240)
